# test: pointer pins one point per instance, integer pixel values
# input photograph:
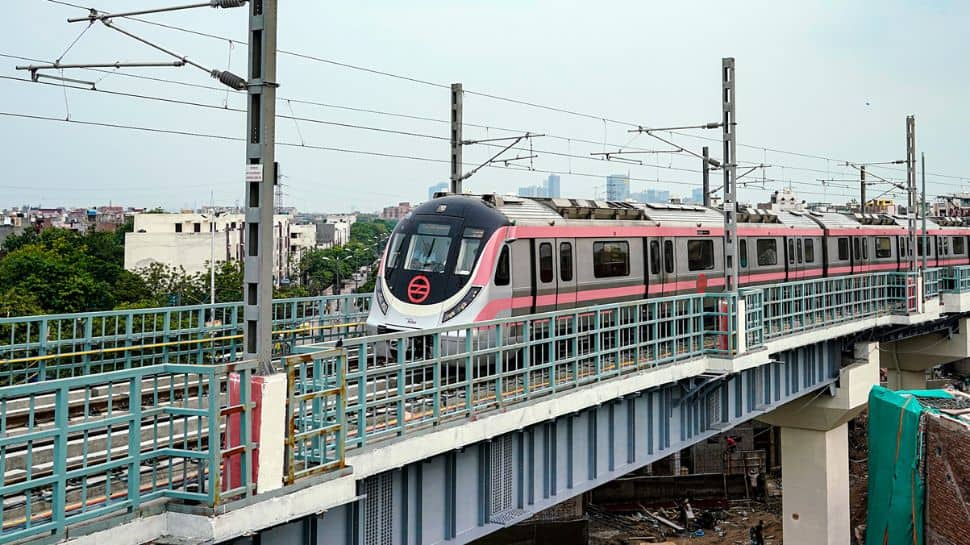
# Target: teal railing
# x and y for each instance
(794, 307)
(314, 411)
(406, 380)
(89, 446)
(37, 348)
(932, 282)
(956, 279)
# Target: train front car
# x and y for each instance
(430, 273)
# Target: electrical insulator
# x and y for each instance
(227, 3)
(229, 79)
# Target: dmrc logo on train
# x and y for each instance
(419, 288)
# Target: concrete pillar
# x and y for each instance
(903, 379)
(815, 453)
(815, 480)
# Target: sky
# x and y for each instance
(829, 81)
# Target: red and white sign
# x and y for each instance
(419, 289)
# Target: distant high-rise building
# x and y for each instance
(442, 186)
(552, 186)
(652, 195)
(697, 195)
(617, 187)
(532, 191)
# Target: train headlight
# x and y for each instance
(379, 292)
(465, 301)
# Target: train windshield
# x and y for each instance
(394, 257)
(429, 248)
(471, 242)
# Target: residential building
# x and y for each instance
(332, 234)
(617, 187)
(783, 200)
(438, 187)
(953, 205)
(349, 219)
(190, 240)
(396, 212)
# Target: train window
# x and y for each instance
(545, 262)
(958, 246)
(884, 247)
(654, 257)
(843, 249)
(611, 259)
(669, 256)
(942, 246)
(502, 275)
(467, 255)
(767, 252)
(904, 247)
(865, 248)
(919, 245)
(394, 256)
(700, 255)
(809, 250)
(799, 245)
(429, 248)
(857, 248)
(565, 261)
(791, 251)
(743, 253)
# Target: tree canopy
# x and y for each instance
(62, 270)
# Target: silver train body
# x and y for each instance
(462, 259)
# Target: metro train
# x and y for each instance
(461, 259)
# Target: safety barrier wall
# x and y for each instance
(956, 279)
(83, 447)
(36, 348)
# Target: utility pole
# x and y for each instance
(260, 178)
(729, 165)
(911, 185)
(706, 178)
(862, 189)
(212, 250)
(456, 174)
(923, 205)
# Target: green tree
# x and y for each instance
(17, 302)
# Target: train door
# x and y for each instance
(667, 279)
(790, 267)
(566, 290)
(544, 299)
(653, 267)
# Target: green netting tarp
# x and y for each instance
(928, 394)
(896, 488)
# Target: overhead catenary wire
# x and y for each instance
(493, 96)
(568, 139)
(407, 133)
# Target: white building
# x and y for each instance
(349, 219)
(190, 240)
